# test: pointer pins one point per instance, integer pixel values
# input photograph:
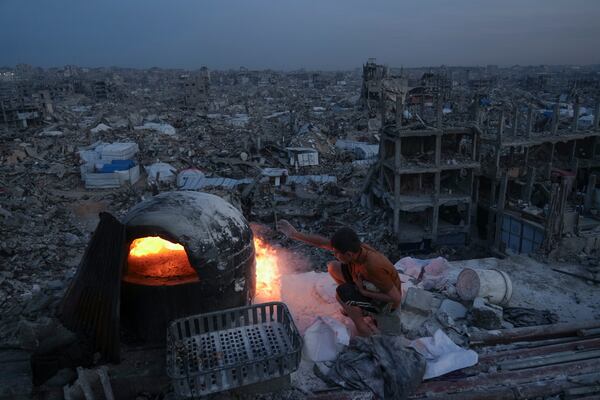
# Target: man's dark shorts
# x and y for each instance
(349, 294)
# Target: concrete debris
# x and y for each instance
(421, 301)
(453, 309)
(439, 164)
(485, 315)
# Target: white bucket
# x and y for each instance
(491, 284)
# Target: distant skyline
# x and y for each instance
(289, 35)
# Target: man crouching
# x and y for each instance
(367, 280)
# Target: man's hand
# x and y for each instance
(360, 285)
(286, 228)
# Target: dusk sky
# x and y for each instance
(282, 34)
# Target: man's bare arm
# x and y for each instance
(314, 240)
(391, 296)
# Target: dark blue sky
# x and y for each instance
(286, 34)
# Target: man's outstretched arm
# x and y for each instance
(314, 240)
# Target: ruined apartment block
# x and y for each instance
(425, 177)
(538, 176)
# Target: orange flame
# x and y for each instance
(268, 277)
(156, 257)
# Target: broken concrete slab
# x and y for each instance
(453, 309)
(485, 315)
(421, 301)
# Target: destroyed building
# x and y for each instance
(195, 90)
(467, 178)
(518, 173)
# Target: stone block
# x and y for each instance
(453, 309)
(421, 301)
(485, 315)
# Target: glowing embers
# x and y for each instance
(268, 276)
(156, 261)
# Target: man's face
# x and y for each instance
(345, 258)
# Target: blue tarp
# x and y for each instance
(117, 165)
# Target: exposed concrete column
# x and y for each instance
(555, 118)
(475, 197)
(399, 110)
(529, 185)
(476, 110)
(589, 193)
(491, 213)
(474, 146)
(576, 114)
(397, 183)
(439, 112)
(500, 210)
(529, 127)
(436, 207)
(398, 153)
(516, 120)
(382, 106)
(500, 128)
(438, 150)
(573, 151)
(597, 116)
(551, 160)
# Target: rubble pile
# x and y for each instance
(449, 163)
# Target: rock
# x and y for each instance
(507, 325)
(71, 239)
(486, 316)
(411, 323)
(429, 327)
(38, 302)
(453, 309)
(61, 378)
(55, 284)
(421, 301)
(460, 340)
(444, 319)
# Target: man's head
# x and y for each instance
(346, 245)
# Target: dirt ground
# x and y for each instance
(536, 285)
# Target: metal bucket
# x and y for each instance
(491, 284)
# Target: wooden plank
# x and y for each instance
(491, 359)
(515, 377)
(548, 359)
(531, 332)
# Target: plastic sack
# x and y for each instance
(325, 339)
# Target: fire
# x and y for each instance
(268, 277)
(156, 257)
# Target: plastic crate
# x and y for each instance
(223, 350)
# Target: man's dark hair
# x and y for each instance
(345, 239)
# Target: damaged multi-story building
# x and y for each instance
(195, 90)
(514, 171)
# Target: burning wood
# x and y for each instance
(156, 257)
(268, 274)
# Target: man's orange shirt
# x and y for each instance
(374, 267)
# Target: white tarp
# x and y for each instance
(162, 128)
(442, 354)
(100, 128)
(160, 172)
